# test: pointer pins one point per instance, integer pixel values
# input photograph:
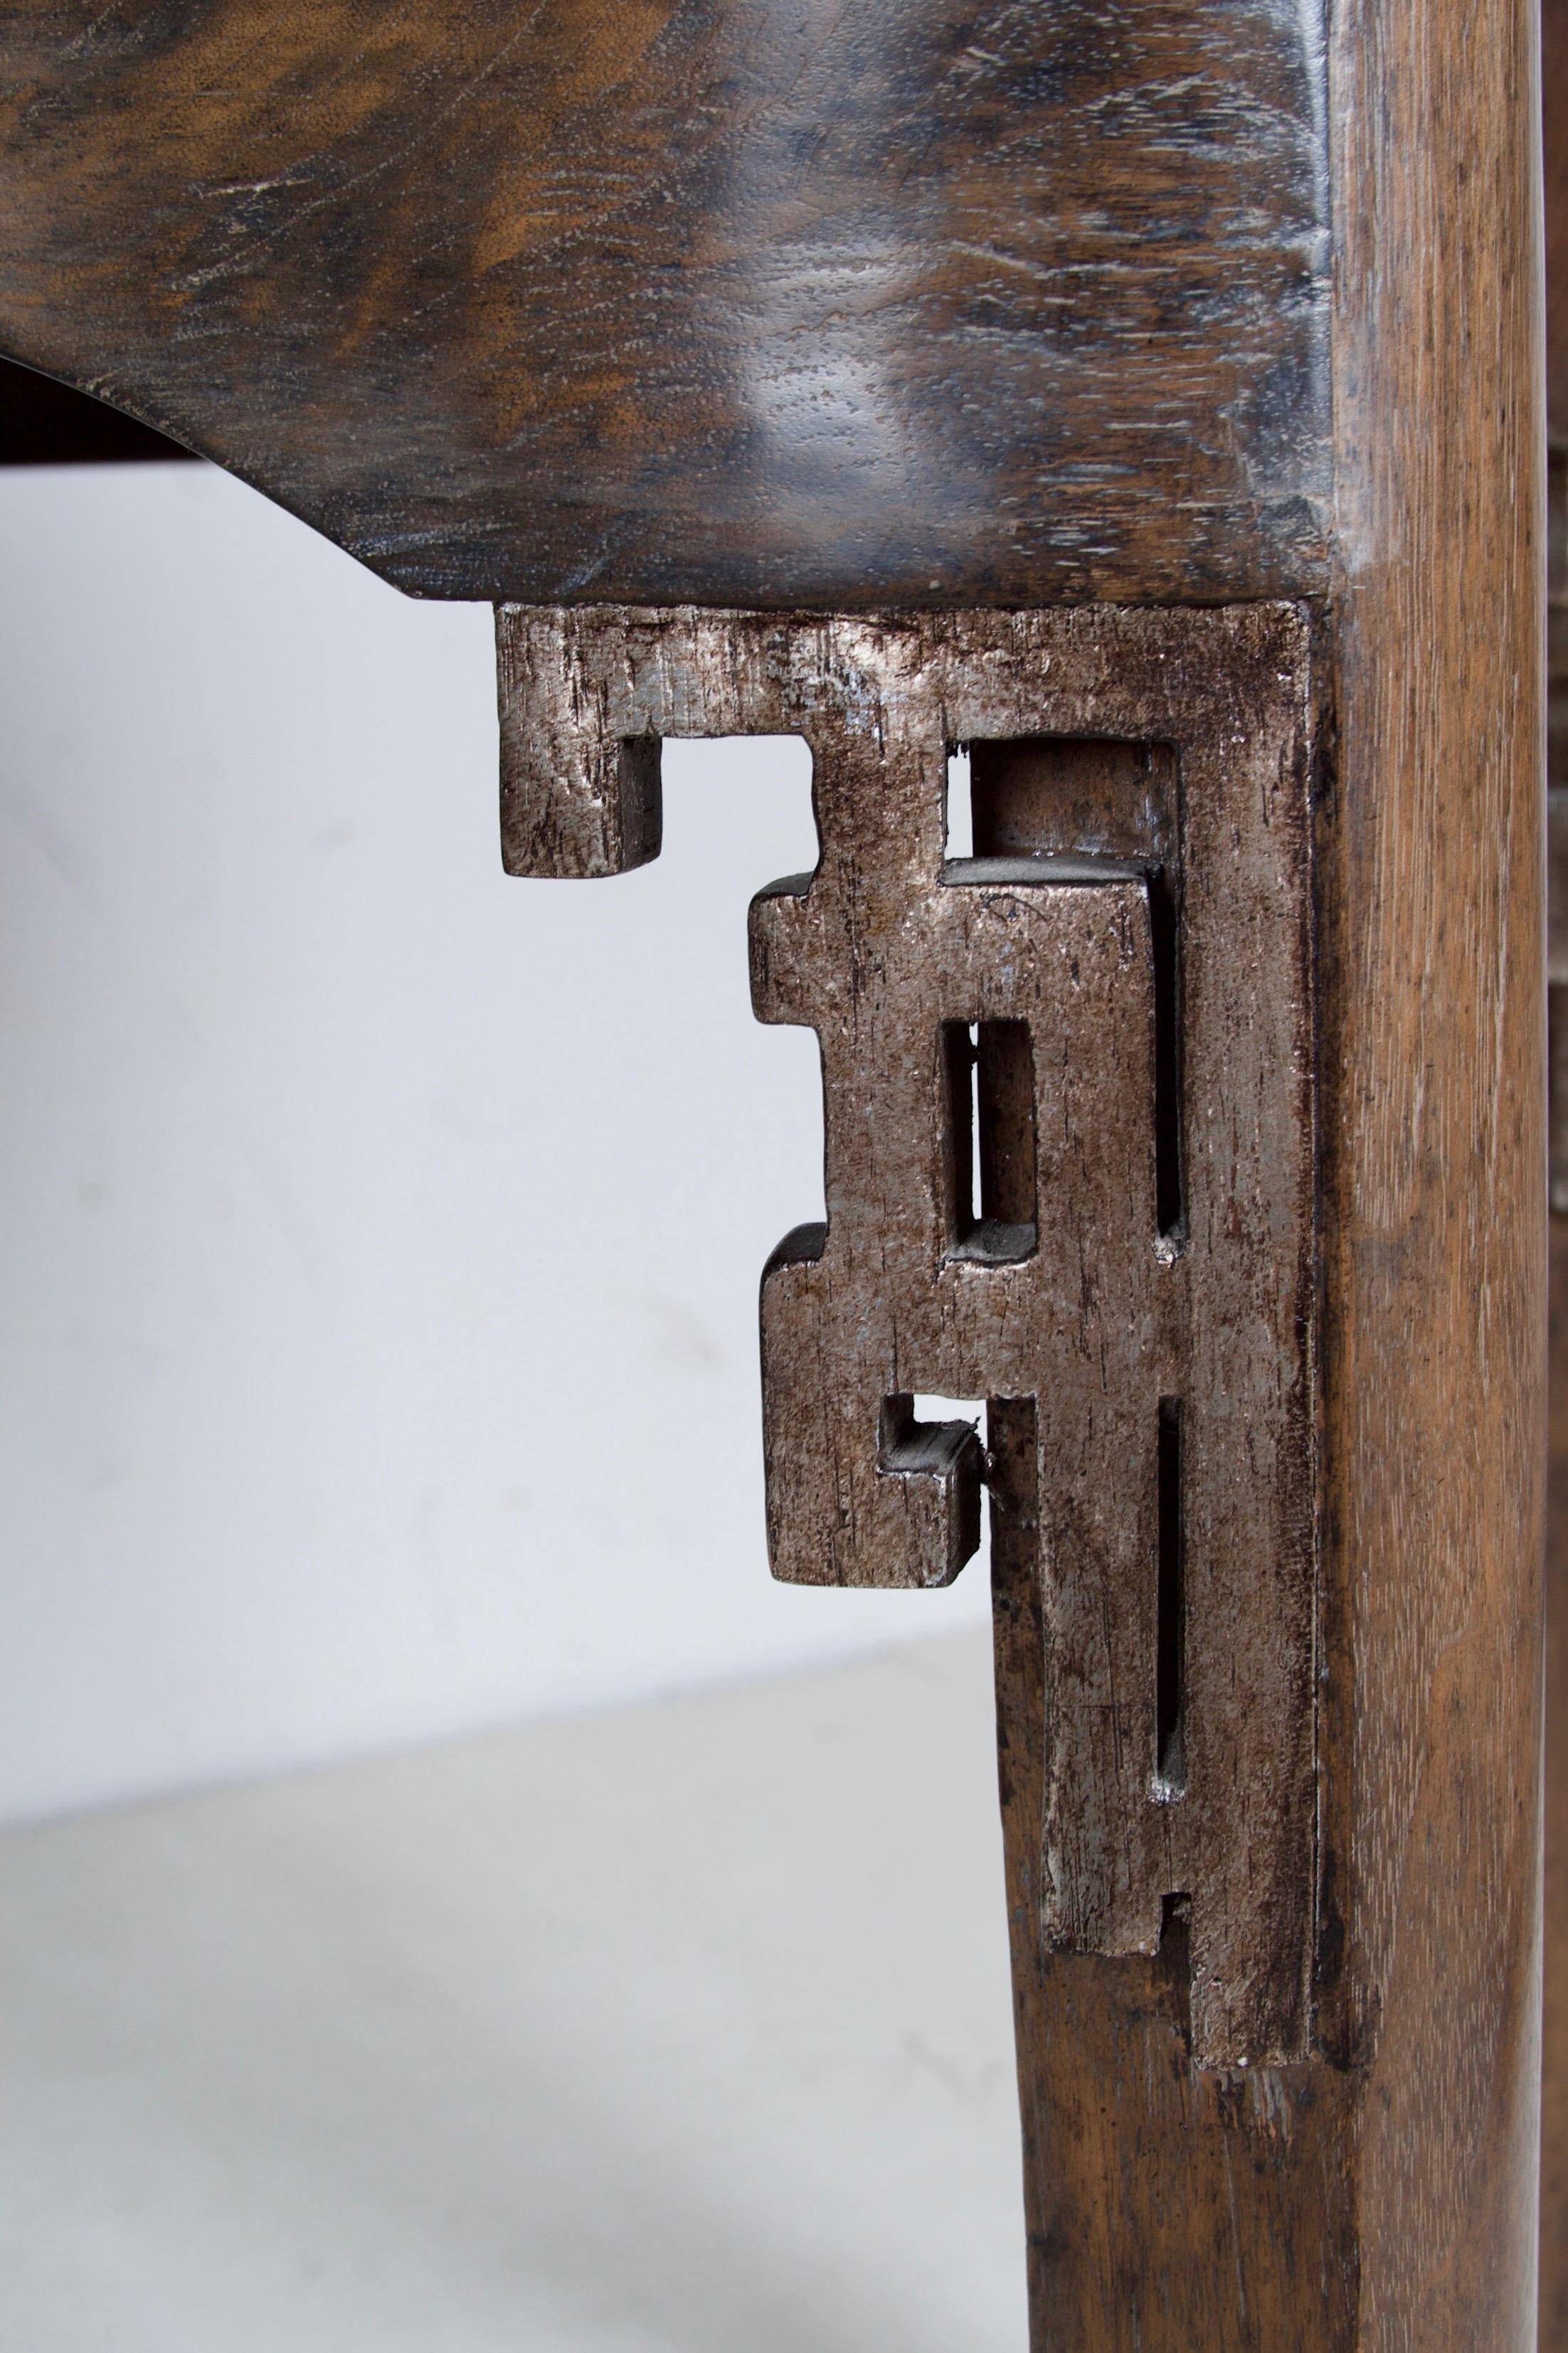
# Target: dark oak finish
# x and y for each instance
(962, 300)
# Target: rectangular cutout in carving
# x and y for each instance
(922, 1433)
(989, 1122)
(1164, 940)
(971, 1412)
(1176, 1957)
(1170, 1636)
(1053, 797)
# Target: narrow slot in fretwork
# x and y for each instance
(988, 1080)
(1170, 1641)
(1164, 940)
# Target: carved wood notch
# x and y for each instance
(1069, 1171)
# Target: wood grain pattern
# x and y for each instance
(1554, 162)
(1553, 2333)
(952, 301)
(1435, 1216)
(1553, 2324)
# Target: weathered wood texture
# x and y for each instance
(1076, 1298)
(966, 301)
(1434, 1221)
(1169, 2208)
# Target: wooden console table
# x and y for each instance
(1126, 420)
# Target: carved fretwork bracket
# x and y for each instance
(1115, 990)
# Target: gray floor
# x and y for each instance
(681, 2029)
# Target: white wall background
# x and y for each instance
(379, 1238)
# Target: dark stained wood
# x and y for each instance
(1433, 1223)
(951, 300)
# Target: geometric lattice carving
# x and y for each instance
(1127, 958)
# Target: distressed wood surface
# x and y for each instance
(965, 301)
(1081, 1302)
(1167, 2207)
